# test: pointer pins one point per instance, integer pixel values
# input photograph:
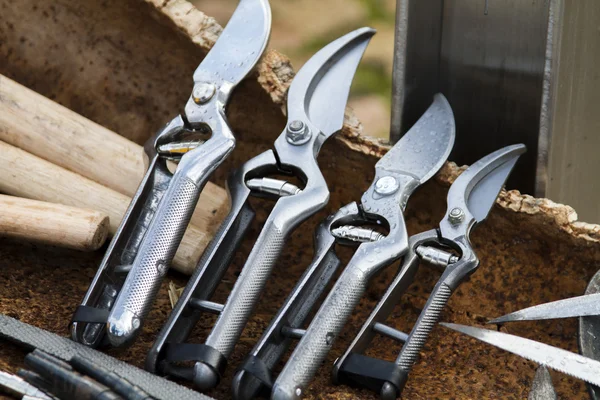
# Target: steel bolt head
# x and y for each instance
(456, 216)
(297, 132)
(296, 126)
(386, 185)
(203, 92)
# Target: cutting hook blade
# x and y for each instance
(319, 92)
(475, 191)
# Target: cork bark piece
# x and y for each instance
(128, 64)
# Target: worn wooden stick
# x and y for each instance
(54, 224)
(25, 175)
(54, 133)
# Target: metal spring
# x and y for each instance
(276, 187)
(357, 234)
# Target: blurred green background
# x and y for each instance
(302, 27)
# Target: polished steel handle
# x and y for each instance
(320, 335)
(154, 258)
(205, 279)
(247, 289)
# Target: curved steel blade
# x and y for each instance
(319, 92)
(240, 45)
(560, 360)
(542, 388)
(426, 146)
(589, 332)
(474, 192)
(568, 308)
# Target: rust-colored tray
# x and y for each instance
(127, 64)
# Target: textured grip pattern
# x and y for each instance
(247, 290)
(159, 247)
(29, 337)
(320, 335)
(429, 317)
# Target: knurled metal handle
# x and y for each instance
(320, 335)
(154, 258)
(247, 289)
(423, 327)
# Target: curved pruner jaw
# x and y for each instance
(474, 192)
(319, 93)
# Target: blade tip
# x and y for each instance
(361, 34)
(512, 317)
(519, 149)
(450, 325)
(366, 31)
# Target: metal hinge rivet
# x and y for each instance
(386, 185)
(203, 92)
(456, 216)
(298, 133)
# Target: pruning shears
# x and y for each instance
(470, 200)
(315, 106)
(376, 227)
(124, 288)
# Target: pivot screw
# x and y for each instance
(298, 133)
(203, 92)
(386, 185)
(456, 216)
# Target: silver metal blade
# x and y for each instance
(474, 192)
(542, 388)
(483, 195)
(560, 360)
(319, 92)
(480, 184)
(580, 306)
(589, 331)
(240, 45)
(426, 146)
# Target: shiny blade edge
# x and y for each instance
(424, 149)
(240, 45)
(580, 306)
(560, 360)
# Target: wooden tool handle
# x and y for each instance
(25, 175)
(53, 224)
(54, 133)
